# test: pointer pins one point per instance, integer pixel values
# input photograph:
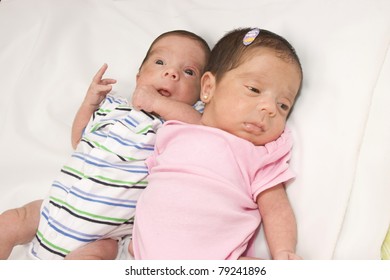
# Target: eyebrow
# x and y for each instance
(290, 95)
(152, 52)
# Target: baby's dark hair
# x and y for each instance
(183, 33)
(230, 51)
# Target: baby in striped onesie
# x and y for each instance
(91, 204)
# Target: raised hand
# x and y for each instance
(99, 88)
(97, 91)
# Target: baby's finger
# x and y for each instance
(99, 75)
(108, 81)
(104, 88)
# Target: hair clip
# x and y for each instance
(250, 36)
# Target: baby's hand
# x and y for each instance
(286, 255)
(99, 88)
(145, 98)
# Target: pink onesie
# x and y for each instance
(200, 202)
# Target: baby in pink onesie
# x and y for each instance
(211, 185)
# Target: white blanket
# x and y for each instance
(50, 49)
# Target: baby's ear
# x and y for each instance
(207, 87)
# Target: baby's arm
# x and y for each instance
(148, 99)
(278, 222)
(97, 91)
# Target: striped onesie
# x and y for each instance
(95, 194)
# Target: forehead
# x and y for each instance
(266, 64)
(182, 47)
(176, 42)
(265, 58)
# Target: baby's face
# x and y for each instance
(174, 68)
(253, 100)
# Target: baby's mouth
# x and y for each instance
(254, 128)
(164, 92)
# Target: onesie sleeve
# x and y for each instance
(106, 106)
(276, 169)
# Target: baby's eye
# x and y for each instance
(284, 107)
(159, 62)
(189, 72)
(255, 90)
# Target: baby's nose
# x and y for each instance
(171, 74)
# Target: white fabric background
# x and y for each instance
(50, 49)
